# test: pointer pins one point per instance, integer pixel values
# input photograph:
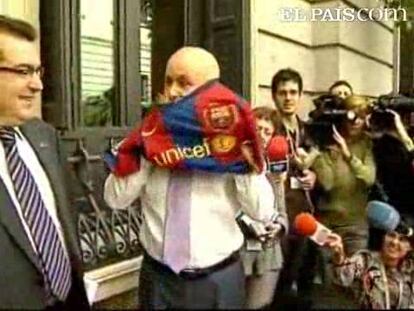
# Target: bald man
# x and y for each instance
(201, 269)
(187, 69)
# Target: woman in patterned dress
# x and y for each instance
(381, 277)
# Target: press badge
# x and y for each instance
(295, 183)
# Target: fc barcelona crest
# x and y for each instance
(219, 117)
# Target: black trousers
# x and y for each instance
(161, 288)
(300, 256)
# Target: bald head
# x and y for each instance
(187, 69)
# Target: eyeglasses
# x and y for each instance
(25, 72)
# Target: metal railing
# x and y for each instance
(109, 237)
(106, 236)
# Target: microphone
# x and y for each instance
(305, 224)
(385, 217)
(277, 155)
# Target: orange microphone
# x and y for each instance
(305, 224)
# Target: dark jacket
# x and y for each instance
(296, 200)
(21, 282)
(395, 172)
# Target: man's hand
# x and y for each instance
(341, 143)
(308, 180)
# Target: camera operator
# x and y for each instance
(341, 88)
(345, 172)
(394, 153)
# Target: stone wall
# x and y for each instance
(323, 52)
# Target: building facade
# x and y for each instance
(323, 51)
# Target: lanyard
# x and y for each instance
(387, 290)
(293, 141)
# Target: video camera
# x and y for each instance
(382, 119)
(330, 111)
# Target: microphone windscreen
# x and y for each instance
(278, 148)
(382, 216)
(305, 224)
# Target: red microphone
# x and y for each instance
(305, 224)
(277, 154)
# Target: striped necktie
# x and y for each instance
(55, 264)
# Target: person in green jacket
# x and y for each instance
(345, 173)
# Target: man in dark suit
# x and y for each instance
(40, 263)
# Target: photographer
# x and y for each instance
(393, 153)
(345, 172)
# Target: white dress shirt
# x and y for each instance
(29, 157)
(215, 200)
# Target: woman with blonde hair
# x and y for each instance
(345, 172)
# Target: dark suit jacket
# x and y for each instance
(296, 200)
(21, 282)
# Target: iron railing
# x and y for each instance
(106, 236)
(109, 237)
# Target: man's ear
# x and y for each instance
(410, 245)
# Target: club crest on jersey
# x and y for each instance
(219, 117)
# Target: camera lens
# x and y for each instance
(351, 115)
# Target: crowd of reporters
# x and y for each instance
(352, 150)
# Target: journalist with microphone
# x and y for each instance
(381, 276)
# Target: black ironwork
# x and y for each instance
(109, 237)
(106, 235)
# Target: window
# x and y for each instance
(95, 52)
(97, 62)
(145, 53)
